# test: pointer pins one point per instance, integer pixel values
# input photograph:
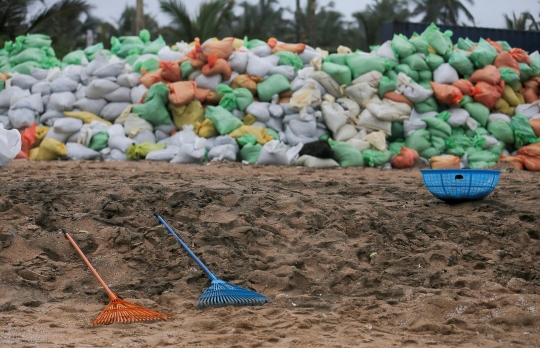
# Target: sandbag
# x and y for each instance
(78, 152)
(405, 158)
(63, 84)
(445, 74)
(51, 149)
(489, 74)
(62, 101)
(223, 120)
(120, 95)
(100, 87)
(445, 162)
(314, 162)
(10, 145)
(446, 94)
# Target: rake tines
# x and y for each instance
(118, 310)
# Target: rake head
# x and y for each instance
(221, 294)
(120, 311)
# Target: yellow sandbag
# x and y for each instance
(41, 131)
(260, 133)
(86, 117)
(32, 155)
(520, 98)
(511, 111)
(249, 119)
(431, 50)
(237, 43)
(518, 87)
(50, 149)
(206, 129)
(510, 96)
(377, 140)
(187, 114)
(502, 106)
(321, 52)
(344, 50)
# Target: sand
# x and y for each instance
(349, 257)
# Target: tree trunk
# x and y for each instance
(140, 17)
(298, 19)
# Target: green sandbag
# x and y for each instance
(250, 153)
(525, 71)
(484, 54)
(438, 127)
(481, 131)
(127, 50)
(223, 120)
(186, 69)
(29, 54)
(482, 159)
(130, 59)
(497, 149)
(461, 62)
(273, 133)
(341, 73)
(91, 50)
(481, 164)
(504, 45)
(251, 44)
(273, 84)
(151, 64)
(509, 76)
(453, 147)
(360, 65)
(425, 76)
(465, 44)
(154, 46)
(290, 59)
(419, 140)
(130, 40)
(346, 154)
(2, 85)
(420, 44)
(434, 61)
(386, 85)
(466, 100)
(75, 58)
(438, 143)
(479, 142)
(336, 58)
(239, 98)
(24, 68)
(478, 111)
(436, 39)
(458, 132)
(523, 132)
(99, 141)
(429, 152)
(37, 41)
(430, 104)
(144, 35)
(247, 139)
(404, 68)
(415, 62)
(396, 132)
(139, 151)
(392, 75)
(535, 65)
(502, 131)
(154, 109)
(402, 47)
(395, 147)
(375, 158)
(389, 63)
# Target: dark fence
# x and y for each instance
(526, 40)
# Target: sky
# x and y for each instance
(487, 13)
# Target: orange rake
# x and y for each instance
(118, 310)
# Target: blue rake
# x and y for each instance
(220, 293)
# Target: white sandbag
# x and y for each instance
(445, 74)
(165, 54)
(372, 78)
(288, 109)
(45, 99)
(39, 74)
(404, 109)
(260, 67)
(191, 153)
(121, 95)
(4, 120)
(84, 136)
(137, 94)
(308, 55)
(68, 125)
(98, 88)
(334, 115)
(6, 94)
(238, 61)
(346, 133)
(528, 110)
(222, 153)
(50, 116)
(63, 84)
(285, 70)
(91, 105)
(274, 152)
(120, 142)
(458, 117)
(133, 124)
(299, 82)
(275, 109)
(129, 80)
(62, 101)
(472, 124)
(210, 82)
(18, 96)
(73, 72)
(23, 81)
(499, 117)
(194, 75)
(415, 115)
(109, 155)
(78, 152)
(307, 96)
(490, 141)
(314, 162)
(383, 112)
(360, 92)
(359, 144)
(166, 154)
(377, 140)
(350, 106)
(367, 120)
(145, 136)
(98, 126)
(32, 102)
(227, 140)
(262, 51)
(10, 145)
(42, 87)
(61, 137)
(275, 123)
(260, 110)
(111, 111)
(111, 69)
(411, 90)
(80, 93)
(329, 84)
(234, 75)
(410, 126)
(99, 62)
(21, 118)
(53, 74)
(386, 50)
(166, 128)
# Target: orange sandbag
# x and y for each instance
(405, 158)
(286, 94)
(217, 66)
(246, 81)
(198, 63)
(148, 79)
(170, 71)
(398, 98)
(464, 86)
(529, 95)
(201, 94)
(3, 77)
(28, 139)
(531, 163)
(505, 60)
(286, 100)
(533, 84)
(487, 94)
(196, 51)
(530, 150)
(294, 48)
(222, 48)
(535, 124)
(445, 161)
(489, 74)
(495, 44)
(182, 93)
(446, 94)
(514, 160)
(520, 56)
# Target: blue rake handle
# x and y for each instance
(210, 274)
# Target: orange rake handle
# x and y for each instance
(112, 296)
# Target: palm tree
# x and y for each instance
(127, 24)
(213, 19)
(13, 15)
(521, 22)
(262, 21)
(443, 11)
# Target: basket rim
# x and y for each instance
(483, 171)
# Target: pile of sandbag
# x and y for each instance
(287, 104)
(27, 52)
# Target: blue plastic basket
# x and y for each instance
(459, 185)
